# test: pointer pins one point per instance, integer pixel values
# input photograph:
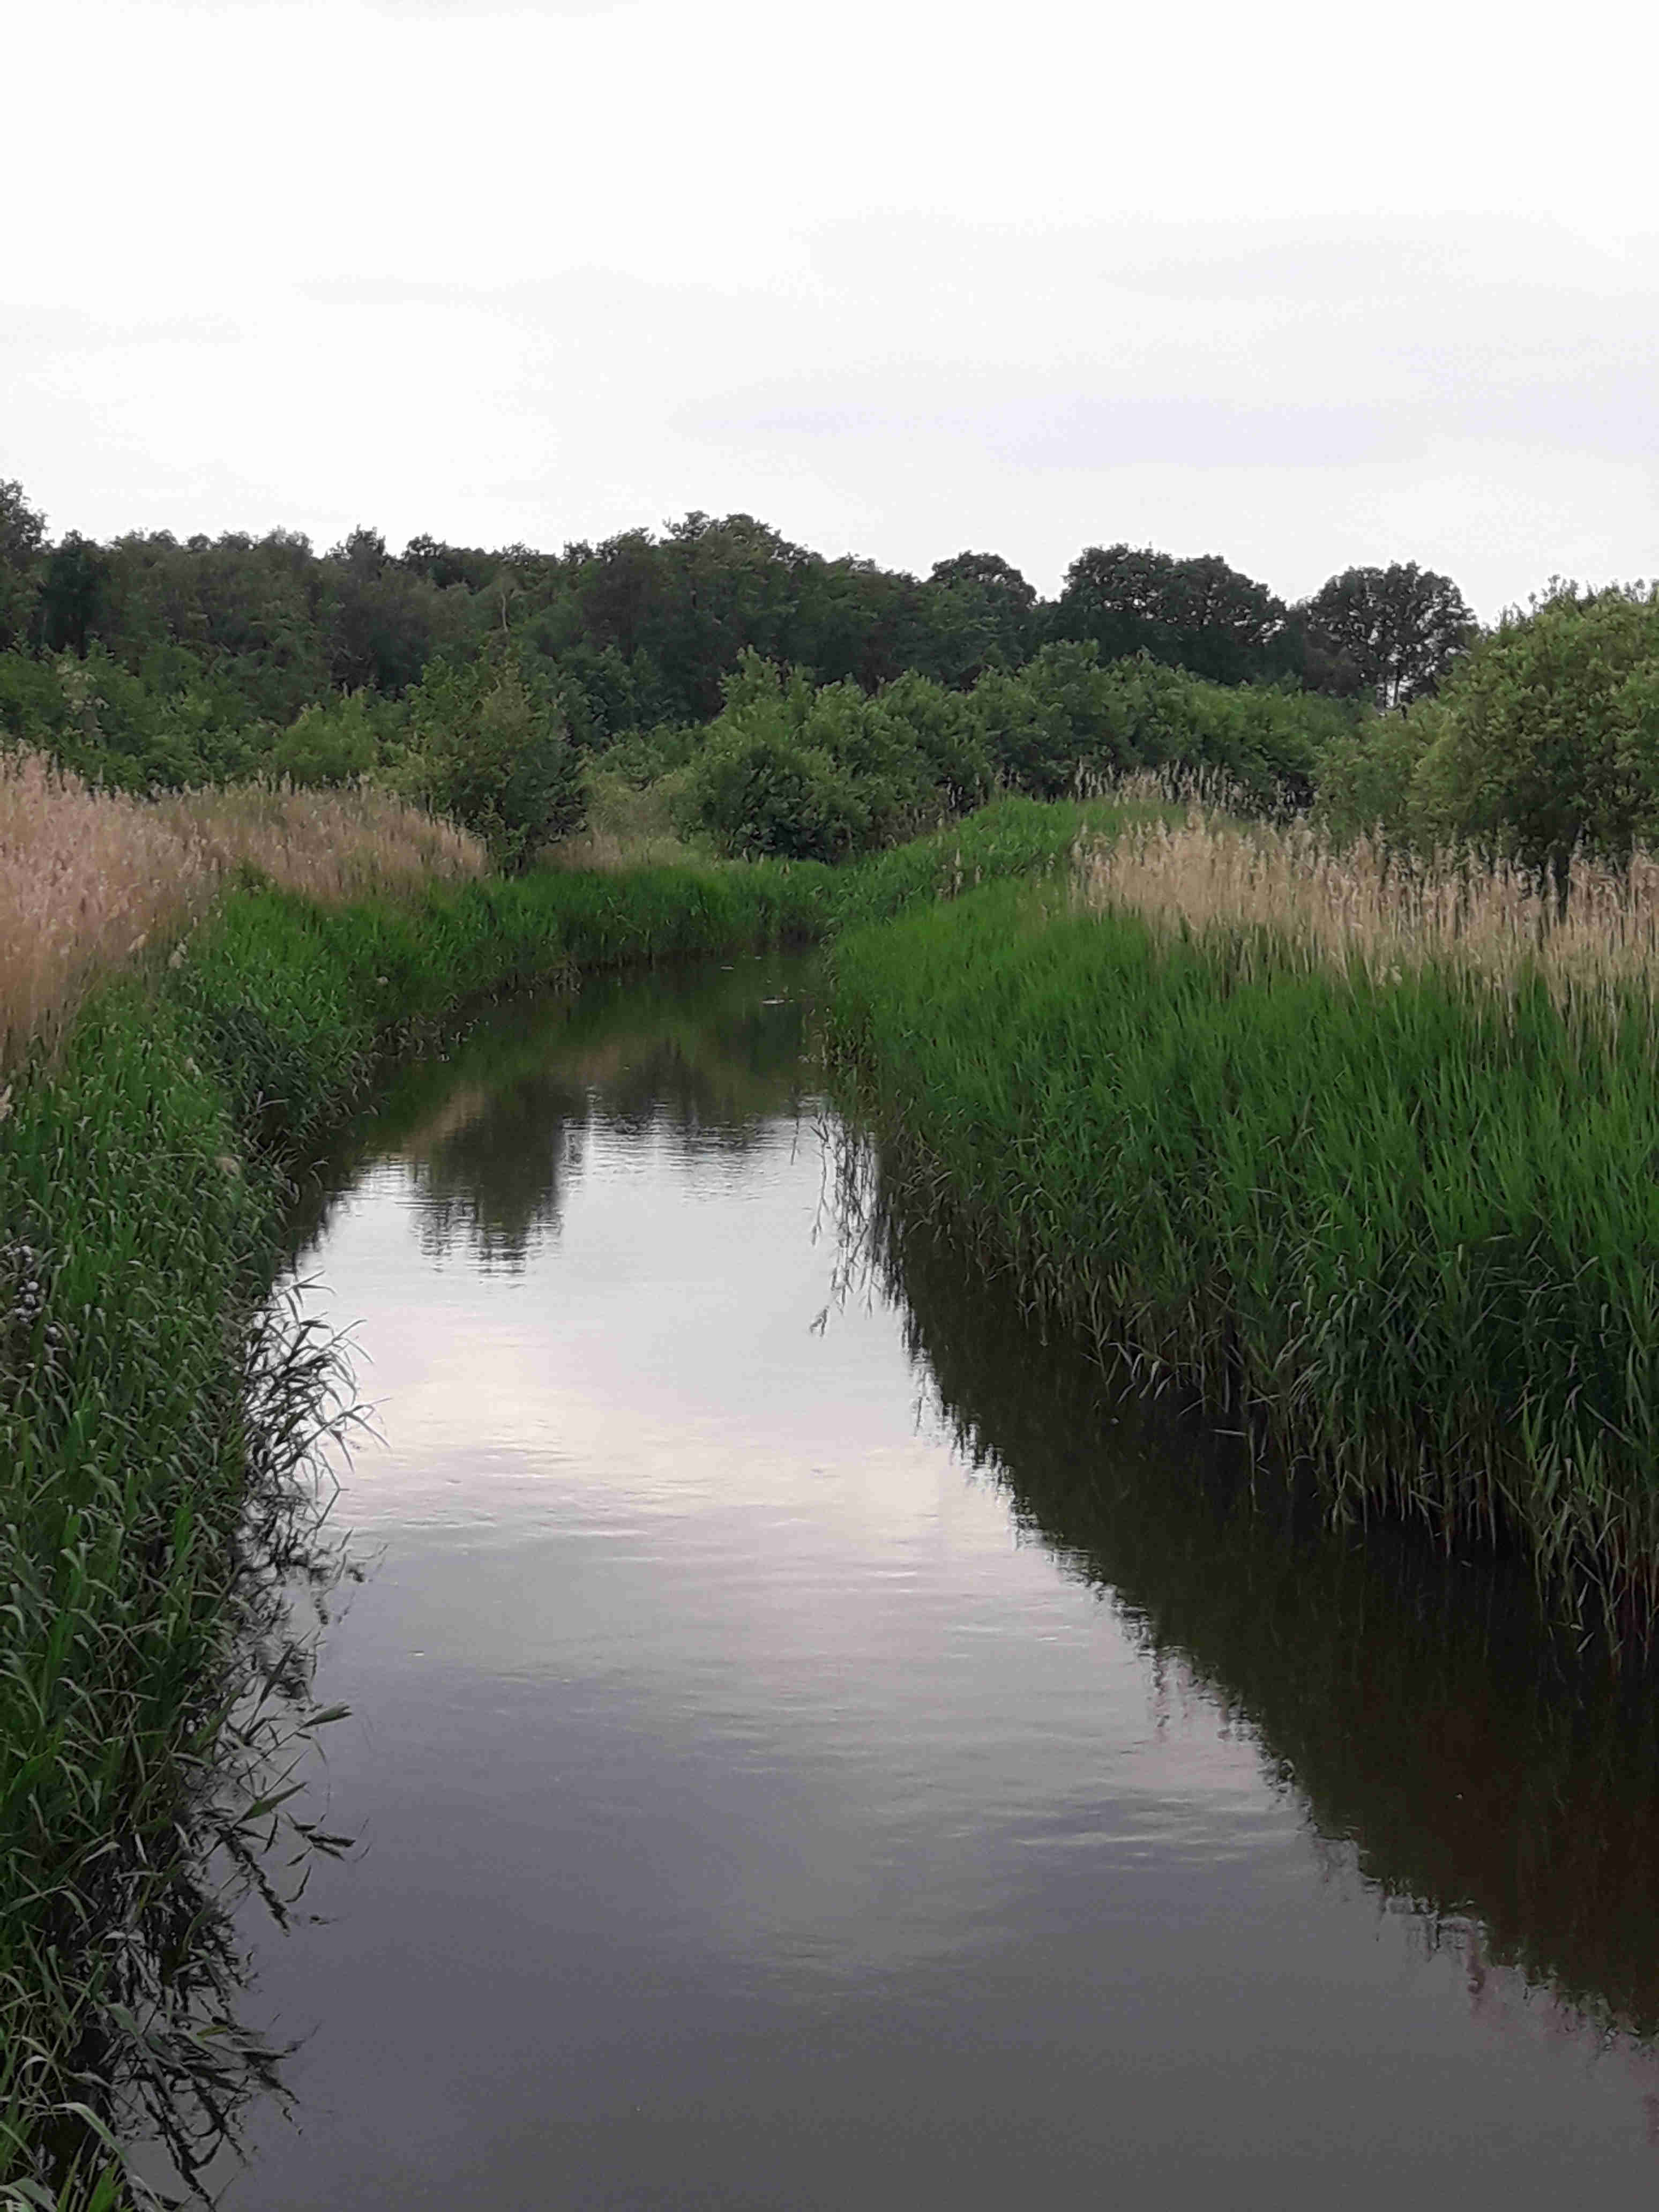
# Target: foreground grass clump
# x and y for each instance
(1401, 1219)
(156, 1419)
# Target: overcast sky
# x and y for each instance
(1299, 285)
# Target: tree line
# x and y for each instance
(488, 682)
(643, 628)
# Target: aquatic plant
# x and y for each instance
(158, 1423)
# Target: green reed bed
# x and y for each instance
(133, 1351)
(1016, 838)
(298, 1002)
(1408, 1228)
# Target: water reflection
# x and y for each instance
(1486, 1777)
(493, 1133)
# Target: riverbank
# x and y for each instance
(157, 1417)
(1397, 1223)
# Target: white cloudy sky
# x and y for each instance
(1301, 284)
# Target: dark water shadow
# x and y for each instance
(1484, 1774)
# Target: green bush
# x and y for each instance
(495, 756)
(941, 726)
(768, 797)
(1054, 726)
(1069, 721)
(1545, 743)
(334, 742)
(1386, 779)
(768, 783)
(165, 728)
(830, 773)
(643, 756)
(1554, 736)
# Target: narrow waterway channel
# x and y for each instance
(813, 1747)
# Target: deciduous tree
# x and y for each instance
(1397, 630)
(22, 534)
(1553, 738)
(1200, 614)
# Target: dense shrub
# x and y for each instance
(1545, 743)
(1387, 779)
(162, 728)
(333, 742)
(765, 796)
(794, 772)
(941, 726)
(644, 756)
(1053, 726)
(827, 773)
(1554, 736)
(494, 755)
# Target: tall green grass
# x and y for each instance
(1407, 1228)
(297, 1003)
(155, 1417)
(1025, 839)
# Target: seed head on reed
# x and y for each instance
(85, 878)
(333, 846)
(1362, 905)
(89, 878)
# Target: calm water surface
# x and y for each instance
(812, 1747)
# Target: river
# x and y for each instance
(814, 1745)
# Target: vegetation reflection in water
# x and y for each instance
(492, 1132)
(1484, 1776)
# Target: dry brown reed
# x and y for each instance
(89, 878)
(332, 845)
(1362, 905)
